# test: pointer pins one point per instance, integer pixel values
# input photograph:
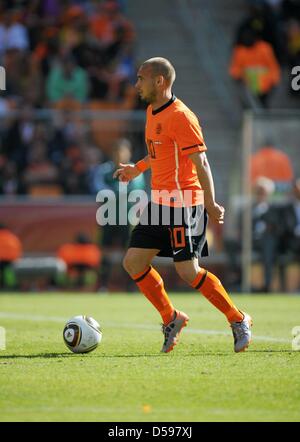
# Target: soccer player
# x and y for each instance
(182, 197)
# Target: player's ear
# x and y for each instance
(160, 80)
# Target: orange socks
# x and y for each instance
(151, 285)
(210, 286)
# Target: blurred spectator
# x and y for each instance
(13, 35)
(82, 257)
(263, 21)
(102, 176)
(114, 237)
(291, 222)
(67, 81)
(266, 228)
(111, 28)
(64, 135)
(293, 41)
(254, 66)
(111, 82)
(274, 164)
(40, 176)
(94, 157)
(289, 235)
(267, 231)
(9, 182)
(74, 27)
(10, 251)
(17, 138)
(74, 171)
(113, 45)
(13, 63)
(4, 106)
(46, 49)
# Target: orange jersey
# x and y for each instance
(172, 134)
(256, 66)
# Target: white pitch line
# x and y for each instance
(34, 318)
(194, 331)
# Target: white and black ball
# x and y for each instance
(82, 334)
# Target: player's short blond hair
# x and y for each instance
(161, 66)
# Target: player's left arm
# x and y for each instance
(215, 211)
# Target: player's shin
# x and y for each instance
(151, 285)
(210, 286)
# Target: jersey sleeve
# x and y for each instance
(187, 133)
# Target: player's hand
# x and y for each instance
(216, 213)
(126, 172)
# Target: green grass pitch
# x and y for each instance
(128, 379)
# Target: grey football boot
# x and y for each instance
(172, 331)
(242, 333)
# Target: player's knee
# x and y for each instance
(133, 263)
(187, 274)
(127, 262)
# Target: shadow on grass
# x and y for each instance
(36, 356)
(73, 355)
(271, 351)
(138, 355)
(232, 353)
(95, 356)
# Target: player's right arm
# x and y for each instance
(128, 172)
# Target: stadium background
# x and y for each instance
(56, 132)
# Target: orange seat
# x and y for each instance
(10, 246)
(40, 190)
(80, 254)
(67, 104)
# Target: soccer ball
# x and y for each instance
(82, 334)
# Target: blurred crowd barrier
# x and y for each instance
(262, 239)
